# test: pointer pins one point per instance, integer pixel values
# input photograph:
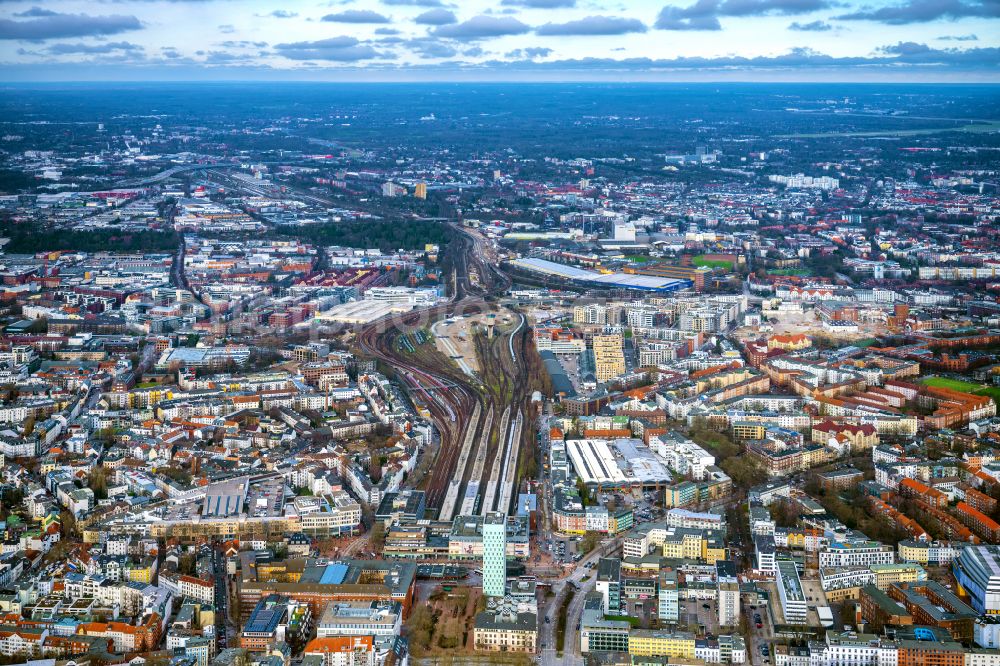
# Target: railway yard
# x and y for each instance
(475, 384)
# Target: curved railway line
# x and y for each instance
(450, 397)
(463, 407)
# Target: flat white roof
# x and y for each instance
(685, 513)
(361, 311)
(594, 462)
(626, 280)
(554, 268)
(644, 465)
(637, 281)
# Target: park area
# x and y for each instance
(440, 631)
(445, 622)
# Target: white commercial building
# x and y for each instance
(360, 618)
(856, 554)
(678, 517)
(764, 551)
(414, 297)
(839, 578)
(682, 455)
(729, 601)
(793, 601)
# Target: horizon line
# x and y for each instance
(992, 82)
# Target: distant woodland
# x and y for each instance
(25, 239)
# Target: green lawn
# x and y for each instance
(993, 392)
(700, 260)
(953, 384)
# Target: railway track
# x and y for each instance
(508, 479)
(516, 365)
(479, 456)
(513, 334)
(471, 503)
(450, 395)
(451, 497)
(489, 499)
(455, 399)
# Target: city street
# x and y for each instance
(550, 608)
(225, 626)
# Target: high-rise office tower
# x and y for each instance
(494, 554)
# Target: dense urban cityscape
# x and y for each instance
(497, 373)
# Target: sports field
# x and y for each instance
(953, 384)
(993, 392)
(700, 260)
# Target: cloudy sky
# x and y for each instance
(905, 40)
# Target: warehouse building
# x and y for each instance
(584, 278)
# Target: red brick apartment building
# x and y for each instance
(980, 501)
(978, 522)
(932, 496)
(926, 653)
(950, 407)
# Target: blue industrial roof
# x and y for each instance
(607, 280)
(267, 615)
(334, 574)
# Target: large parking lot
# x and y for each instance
(571, 364)
(647, 507)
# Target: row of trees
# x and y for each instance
(25, 239)
(385, 235)
(850, 508)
